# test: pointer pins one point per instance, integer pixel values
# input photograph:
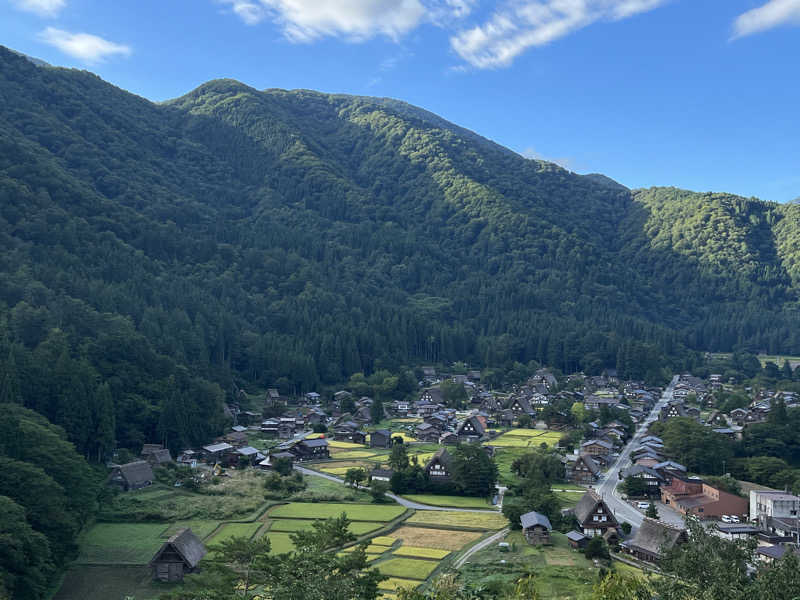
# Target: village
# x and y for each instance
(618, 480)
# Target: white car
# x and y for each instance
(734, 519)
(726, 519)
(642, 505)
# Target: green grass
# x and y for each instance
(357, 527)
(237, 497)
(569, 499)
(417, 552)
(395, 583)
(121, 543)
(200, 528)
(503, 458)
(383, 540)
(454, 501)
(407, 568)
(229, 530)
(110, 583)
(280, 542)
(355, 512)
(319, 489)
(559, 572)
(467, 520)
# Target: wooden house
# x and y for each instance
(179, 555)
(131, 476)
(597, 447)
(581, 469)
(576, 539)
(159, 457)
(438, 467)
(316, 449)
(536, 527)
(382, 438)
(471, 430)
(654, 538)
(594, 516)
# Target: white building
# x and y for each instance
(772, 504)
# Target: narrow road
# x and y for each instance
(608, 488)
(479, 546)
(398, 499)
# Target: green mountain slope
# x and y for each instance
(237, 238)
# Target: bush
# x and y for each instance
(378, 491)
(626, 527)
(596, 548)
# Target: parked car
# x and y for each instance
(726, 519)
(734, 519)
(642, 505)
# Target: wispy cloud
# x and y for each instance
(770, 15)
(523, 24)
(43, 8)
(566, 162)
(355, 20)
(83, 46)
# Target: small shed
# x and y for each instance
(536, 528)
(132, 476)
(380, 439)
(178, 556)
(576, 539)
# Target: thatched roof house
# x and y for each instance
(179, 555)
(654, 538)
(132, 476)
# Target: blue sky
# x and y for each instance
(700, 94)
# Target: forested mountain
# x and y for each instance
(156, 256)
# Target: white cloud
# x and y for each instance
(83, 46)
(770, 15)
(523, 24)
(308, 20)
(565, 162)
(43, 8)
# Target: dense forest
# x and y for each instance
(158, 257)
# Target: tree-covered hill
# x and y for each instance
(156, 256)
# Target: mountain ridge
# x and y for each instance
(241, 238)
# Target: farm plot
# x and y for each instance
(280, 542)
(443, 539)
(467, 520)
(290, 525)
(407, 568)
(348, 454)
(532, 440)
(229, 530)
(355, 512)
(344, 445)
(121, 543)
(395, 583)
(454, 501)
(418, 552)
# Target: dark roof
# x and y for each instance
(217, 447)
(384, 432)
(590, 462)
(772, 551)
(534, 518)
(601, 443)
(150, 448)
(187, 545)
(247, 451)
(137, 472)
(315, 443)
(382, 472)
(642, 470)
(586, 505)
(160, 457)
(656, 536)
(442, 455)
(575, 536)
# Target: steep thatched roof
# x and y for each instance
(655, 537)
(187, 545)
(588, 504)
(137, 472)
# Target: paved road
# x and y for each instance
(398, 499)
(480, 546)
(608, 488)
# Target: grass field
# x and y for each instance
(355, 512)
(348, 454)
(383, 540)
(486, 521)
(236, 497)
(358, 527)
(395, 583)
(407, 568)
(201, 529)
(443, 539)
(110, 583)
(559, 572)
(454, 501)
(417, 552)
(534, 440)
(229, 530)
(121, 543)
(280, 542)
(569, 499)
(319, 489)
